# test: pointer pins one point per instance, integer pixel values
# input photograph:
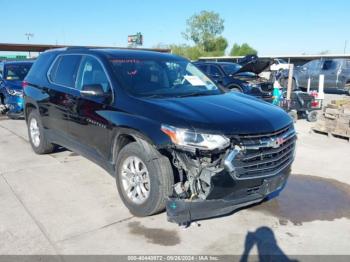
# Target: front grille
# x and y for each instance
(261, 155)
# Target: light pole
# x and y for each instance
(29, 35)
(345, 46)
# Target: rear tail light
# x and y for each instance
(24, 84)
(315, 104)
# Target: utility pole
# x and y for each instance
(29, 35)
(345, 46)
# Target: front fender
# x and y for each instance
(137, 126)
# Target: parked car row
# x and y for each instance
(169, 134)
(243, 77)
(12, 73)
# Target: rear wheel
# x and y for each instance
(144, 178)
(36, 135)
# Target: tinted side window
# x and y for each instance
(214, 71)
(39, 69)
(203, 68)
(64, 71)
(91, 73)
(329, 65)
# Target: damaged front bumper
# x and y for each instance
(238, 194)
(14, 106)
(251, 169)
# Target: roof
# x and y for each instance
(44, 47)
(309, 57)
(119, 53)
(214, 62)
(17, 62)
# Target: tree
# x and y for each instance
(191, 52)
(204, 28)
(242, 50)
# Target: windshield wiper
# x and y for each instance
(154, 96)
(193, 94)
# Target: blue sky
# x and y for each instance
(272, 27)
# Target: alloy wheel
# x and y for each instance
(34, 132)
(135, 180)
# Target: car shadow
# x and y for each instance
(266, 243)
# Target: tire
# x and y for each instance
(35, 129)
(311, 116)
(160, 179)
(235, 89)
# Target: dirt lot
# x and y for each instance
(65, 204)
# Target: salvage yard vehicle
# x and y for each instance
(168, 134)
(12, 74)
(238, 78)
(279, 64)
(336, 75)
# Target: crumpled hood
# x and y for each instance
(255, 66)
(230, 113)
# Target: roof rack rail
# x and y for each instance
(76, 47)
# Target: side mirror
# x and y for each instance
(93, 90)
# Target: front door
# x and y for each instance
(330, 71)
(87, 124)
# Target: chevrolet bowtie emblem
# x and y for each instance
(276, 143)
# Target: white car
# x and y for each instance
(279, 64)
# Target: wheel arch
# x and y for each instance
(233, 85)
(28, 107)
(125, 136)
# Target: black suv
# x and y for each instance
(167, 133)
(240, 78)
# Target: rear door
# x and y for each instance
(87, 124)
(54, 109)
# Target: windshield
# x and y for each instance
(162, 78)
(16, 72)
(230, 69)
(281, 61)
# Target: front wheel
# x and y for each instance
(36, 134)
(144, 178)
(235, 89)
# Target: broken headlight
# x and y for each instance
(193, 140)
(14, 92)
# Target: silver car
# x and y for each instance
(336, 75)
